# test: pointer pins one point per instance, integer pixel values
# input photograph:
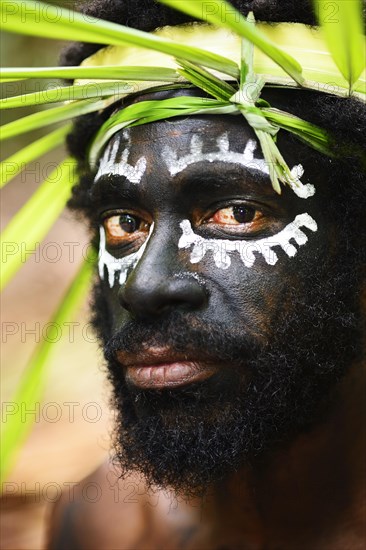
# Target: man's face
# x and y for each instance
(215, 304)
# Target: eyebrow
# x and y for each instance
(112, 187)
(192, 182)
(238, 178)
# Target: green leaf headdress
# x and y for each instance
(231, 58)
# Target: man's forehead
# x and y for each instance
(191, 147)
(174, 147)
(180, 133)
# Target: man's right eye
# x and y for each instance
(124, 228)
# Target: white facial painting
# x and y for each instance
(110, 166)
(222, 247)
(119, 266)
(248, 250)
(176, 165)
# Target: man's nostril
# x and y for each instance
(151, 298)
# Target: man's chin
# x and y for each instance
(201, 397)
(189, 437)
(181, 438)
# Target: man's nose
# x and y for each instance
(159, 282)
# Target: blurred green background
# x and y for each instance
(69, 437)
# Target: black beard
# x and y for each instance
(188, 438)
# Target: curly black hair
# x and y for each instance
(344, 118)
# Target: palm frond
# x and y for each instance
(114, 72)
(50, 116)
(30, 225)
(223, 14)
(16, 163)
(63, 24)
(343, 27)
(311, 134)
(217, 88)
(67, 93)
(31, 387)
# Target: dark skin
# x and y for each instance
(205, 201)
(308, 494)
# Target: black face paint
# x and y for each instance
(265, 328)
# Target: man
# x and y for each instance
(232, 320)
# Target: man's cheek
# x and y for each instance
(116, 270)
(250, 300)
(257, 299)
(112, 307)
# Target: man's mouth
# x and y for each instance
(156, 368)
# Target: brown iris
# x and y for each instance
(235, 215)
(125, 228)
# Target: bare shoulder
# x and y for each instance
(102, 511)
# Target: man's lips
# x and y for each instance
(156, 368)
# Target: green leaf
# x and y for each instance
(63, 24)
(13, 165)
(313, 135)
(115, 72)
(257, 120)
(30, 225)
(319, 70)
(206, 81)
(247, 56)
(343, 27)
(279, 172)
(49, 116)
(223, 109)
(30, 390)
(223, 14)
(152, 111)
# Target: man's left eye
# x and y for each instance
(235, 215)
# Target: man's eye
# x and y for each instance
(235, 215)
(124, 227)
